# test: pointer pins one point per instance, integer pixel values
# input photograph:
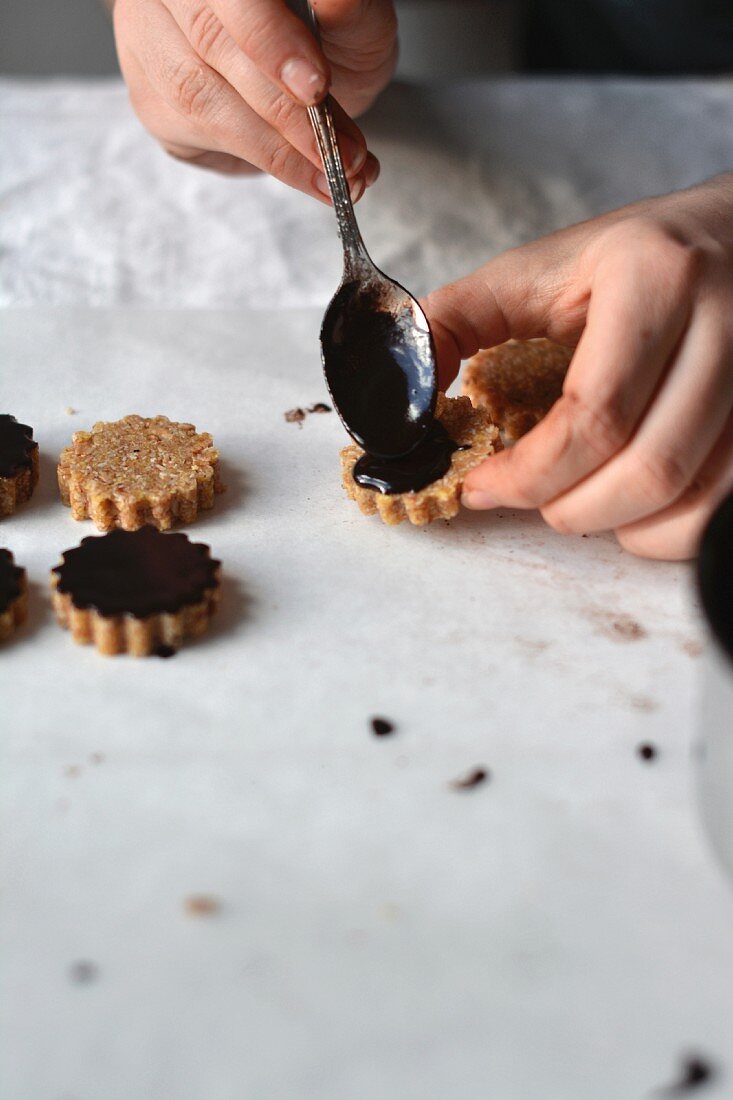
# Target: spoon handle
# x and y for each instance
(356, 257)
(355, 253)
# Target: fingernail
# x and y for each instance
(352, 154)
(478, 500)
(372, 170)
(303, 80)
(356, 188)
(321, 184)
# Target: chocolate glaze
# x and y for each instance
(428, 462)
(83, 971)
(382, 388)
(164, 651)
(11, 580)
(137, 573)
(16, 446)
(694, 1073)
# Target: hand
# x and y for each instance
(641, 441)
(223, 83)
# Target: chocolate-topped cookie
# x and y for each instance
(13, 594)
(18, 463)
(135, 591)
(426, 484)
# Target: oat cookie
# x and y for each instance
(18, 463)
(13, 595)
(138, 592)
(517, 382)
(470, 428)
(139, 470)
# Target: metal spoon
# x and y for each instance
(376, 345)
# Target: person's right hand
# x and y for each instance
(223, 83)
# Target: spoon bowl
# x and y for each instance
(379, 363)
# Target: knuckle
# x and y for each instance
(525, 487)
(205, 30)
(659, 478)
(256, 35)
(684, 260)
(282, 112)
(651, 236)
(278, 160)
(601, 428)
(192, 89)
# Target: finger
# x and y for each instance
(674, 534)
(529, 291)
(274, 39)
(368, 176)
(637, 312)
(678, 432)
(360, 40)
(289, 119)
(224, 163)
(209, 113)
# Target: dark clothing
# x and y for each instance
(630, 36)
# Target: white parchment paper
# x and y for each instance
(561, 932)
(93, 213)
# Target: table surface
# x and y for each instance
(562, 931)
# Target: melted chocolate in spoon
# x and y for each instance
(380, 370)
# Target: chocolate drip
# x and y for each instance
(11, 580)
(137, 573)
(16, 446)
(428, 462)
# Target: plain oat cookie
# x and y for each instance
(517, 382)
(139, 470)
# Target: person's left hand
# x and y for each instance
(641, 441)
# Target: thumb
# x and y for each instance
(523, 293)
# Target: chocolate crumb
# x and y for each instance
(295, 416)
(619, 627)
(471, 779)
(201, 905)
(320, 407)
(70, 411)
(382, 727)
(695, 1071)
(82, 972)
(647, 751)
(164, 651)
(628, 629)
